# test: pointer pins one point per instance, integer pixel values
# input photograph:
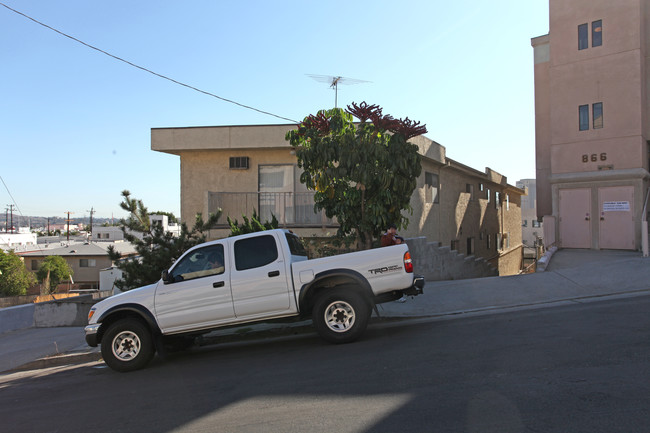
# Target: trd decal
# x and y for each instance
(383, 270)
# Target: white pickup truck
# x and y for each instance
(257, 276)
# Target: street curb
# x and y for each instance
(59, 360)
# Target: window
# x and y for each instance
(507, 201)
(583, 34)
(35, 265)
(470, 246)
(489, 237)
(469, 188)
(583, 117)
(598, 115)
(536, 224)
(497, 198)
(202, 262)
(239, 162)
(255, 252)
(431, 187)
(295, 246)
(480, 187)
(454, 245)
(488, 194)
(87, 263)
(597, 33)
(497, 241)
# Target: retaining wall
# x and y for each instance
(64, 312)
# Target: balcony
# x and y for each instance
(292, 209)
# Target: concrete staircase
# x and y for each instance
(437, 263)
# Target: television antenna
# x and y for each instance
(334, 82)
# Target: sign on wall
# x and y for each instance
(616, 206)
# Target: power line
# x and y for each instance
(145, 69)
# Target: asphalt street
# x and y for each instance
(580, 367)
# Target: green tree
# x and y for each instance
(14, 278)
(156, 249)
(363, 173)
(252, 225)
(53, 271)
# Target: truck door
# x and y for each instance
(259, 279)
(199, 294)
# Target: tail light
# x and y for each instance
(408, 263)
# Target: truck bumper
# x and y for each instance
(417, 288)
(91, 334)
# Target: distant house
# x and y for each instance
(85, 259)
(20, 241)
(241, 168)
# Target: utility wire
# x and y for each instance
(145, 69)
(12, 197)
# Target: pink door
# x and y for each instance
(575, 218)
(616, 225)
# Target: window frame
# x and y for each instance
(597, 122)
(583, 36)
(431, 184)
(597, 33)
(194, 273)
(583, 117)
(242, 252)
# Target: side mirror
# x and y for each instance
(166, 277)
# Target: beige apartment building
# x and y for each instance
(591, 119)
(243, 168)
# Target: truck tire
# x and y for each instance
(127, 345)
(340, 315)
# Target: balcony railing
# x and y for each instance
(292, 209)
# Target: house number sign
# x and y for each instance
(594, 157)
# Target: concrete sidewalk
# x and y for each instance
(570, 275)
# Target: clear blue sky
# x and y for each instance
(75, 124)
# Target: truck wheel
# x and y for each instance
(340, 316)
(127, 345)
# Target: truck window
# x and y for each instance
(295, 246)
(255, 252)
(202, 262)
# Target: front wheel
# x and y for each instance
(127, 345)
(340, 316)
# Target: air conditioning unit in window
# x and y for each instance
(239, 162)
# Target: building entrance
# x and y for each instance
(616, 225)
(575, 218)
